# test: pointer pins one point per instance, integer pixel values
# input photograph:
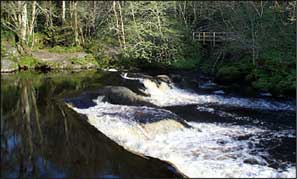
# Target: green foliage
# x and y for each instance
(7, 41)
(276, 81)
(63, 49)
(28, 61)
(185, 64)
(238, 71)
(3, 50)
(59, 35)
(7, 37)
(39, 39)
(156, 36)
(104, 61)
(104, 52)
(228, 74)
(84, 60)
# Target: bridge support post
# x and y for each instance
(203, 38)
(214, 39)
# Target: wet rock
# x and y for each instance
(42, 67)
(254, 161)
(164, 78)
(8, 66)
(135, 76)
(10, 52)
(124, 96)
(111, 94)
(222, 142)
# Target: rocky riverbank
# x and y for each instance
(44, 59)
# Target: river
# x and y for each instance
(56, 125)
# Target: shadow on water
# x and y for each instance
(42, 137)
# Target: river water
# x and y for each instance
(225, 134)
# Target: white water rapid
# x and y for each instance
(202, 150)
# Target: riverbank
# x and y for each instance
(237, 74)
(45, 59)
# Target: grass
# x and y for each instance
(60, 49)
(83, 61)
(28, 61)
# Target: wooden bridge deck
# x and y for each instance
(213, 37)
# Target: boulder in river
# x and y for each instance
(164, 78)
(111, 94)
(124, 96)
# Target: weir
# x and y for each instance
(206, 149)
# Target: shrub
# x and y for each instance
(38, 40)
(185, 63)
(71, 49)
(229, 74)
(28, 61)
(84, 60)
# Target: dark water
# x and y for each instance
(41, 137)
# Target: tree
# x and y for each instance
(75, 23)
(14, 17)
(63, 11)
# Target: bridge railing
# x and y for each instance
(214, 36)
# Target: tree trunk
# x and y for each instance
(134, 20)
(122, 25)
(253, 40)
(94, 17)
(195, 13)
(71, 9)
(117, 22)
(184, 14)
(159, 21)
(50, 14)
(23, 29)
(76, 38)
(82, 41)
(63, 11)
(175, 9)
(32, 23)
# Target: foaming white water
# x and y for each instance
(205, 150)
(164, 94)
(112, 70)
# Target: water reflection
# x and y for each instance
(42, 137)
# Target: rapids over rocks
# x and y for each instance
(203, 135)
